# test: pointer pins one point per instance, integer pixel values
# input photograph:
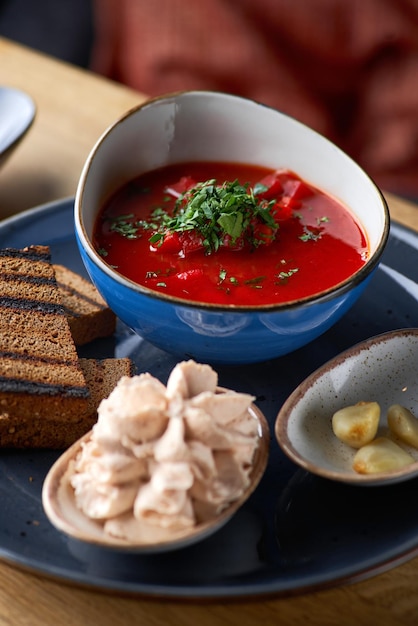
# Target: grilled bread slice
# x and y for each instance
(40, 374)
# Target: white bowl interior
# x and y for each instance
(212, 126)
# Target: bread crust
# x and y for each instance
(88, 315)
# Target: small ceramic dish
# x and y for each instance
(60, 507)
(382, 369)
(17, 113)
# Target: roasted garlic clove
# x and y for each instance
(403, 424)
(381, 455)
(357, 425)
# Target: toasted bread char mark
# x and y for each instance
(39, 368)
(34, 280)
(84, 302)
(88, 314)
(23, 304)
(53, 384)
(19, 385)
(31, 253)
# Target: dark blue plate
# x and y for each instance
(297, 533)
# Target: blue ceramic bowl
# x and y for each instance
(219, 127)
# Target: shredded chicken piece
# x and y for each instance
(165, 457)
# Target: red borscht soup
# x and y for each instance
(229, 234)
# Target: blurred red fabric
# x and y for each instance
(348, 68)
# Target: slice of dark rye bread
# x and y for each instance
(55, 432)
(88, 315)
(40, 372)
(48, 396)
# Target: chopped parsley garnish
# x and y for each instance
(226, 214)
(310, 235)
(288, 274)
(215, 212)
(284, 276)
(128, 226)
(259, 188)
(255, 282)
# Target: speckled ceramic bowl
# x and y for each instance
(382, 369)
(208, 126)
(17, 113)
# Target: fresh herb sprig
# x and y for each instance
(216, 211)
(128, 226)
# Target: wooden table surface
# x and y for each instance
(73, 108)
